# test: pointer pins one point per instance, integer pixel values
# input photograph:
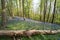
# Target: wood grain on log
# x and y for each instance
(27, 32)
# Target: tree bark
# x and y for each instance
(17, 8)
(28, 4)
(27, 32)
(11, 9)
(40, 9)
(49, 12)
(4, 18)
(53, 12)
(45, 7)
(23, 9)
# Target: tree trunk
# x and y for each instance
(40, 9)
(4, 18)
(27, 32)
(53, 12)
(11, 8)
(23, 9)
(28, 4)
(20, 14)
(49, 12)
(17, 7)
(45, 7)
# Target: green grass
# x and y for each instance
(24, 25)
(35, 37)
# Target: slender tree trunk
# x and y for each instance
(20, 8)
(53, 12)
(8, 8)
(17, 7)
(40, 9)
(11, 9)
(45, 7)
(4, 18)
(49, 12)
(28, 8)
(23, 8)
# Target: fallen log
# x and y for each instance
(27, 32)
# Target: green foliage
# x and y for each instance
(34, 37)
(24, 25)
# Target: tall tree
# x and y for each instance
(23, 9)
(7, 6)
(53, 14)
(4, 18)
(45, 7)
(28, 8)
(17, 4)
(11, 8)
(40, 9)
(20, 13)
(49, 11)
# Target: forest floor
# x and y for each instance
(17, 23)
(20, 23)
